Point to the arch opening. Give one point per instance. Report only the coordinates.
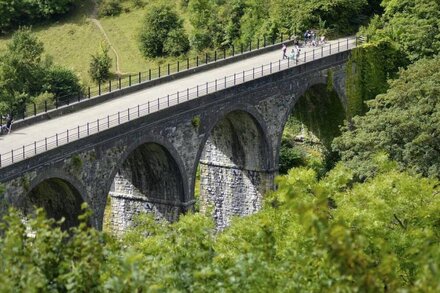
(148, 181)
(58, 198)
(310, 129)
(234, 168)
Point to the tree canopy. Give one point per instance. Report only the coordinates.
(404, 122)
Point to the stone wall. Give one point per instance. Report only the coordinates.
(236, 143)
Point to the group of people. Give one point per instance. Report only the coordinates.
(6, 128)
(311, 38)
(294, 53)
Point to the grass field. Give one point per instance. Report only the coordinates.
(72, 40)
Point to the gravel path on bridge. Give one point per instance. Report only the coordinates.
(36, 132)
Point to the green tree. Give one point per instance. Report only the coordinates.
(21, 70)
(100, 65)
(404, 123)
(162, 33)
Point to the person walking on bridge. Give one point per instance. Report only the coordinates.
(284, 49)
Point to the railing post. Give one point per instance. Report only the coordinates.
(197, 60)
(178, 66)
(250, 46)
(313, 54)
(109, 85)
(159, 71)
(78, 133)
(258, 43)
(279, 64)
(149, 74)
(168, 100)
(56, 139)
(88, 129)
(129, 79)
(243, 76)
(206, 58)
(224, 53)
(216, 84)
(45, 143)
(253, 72)
(281, 37)
(347, 43)
(56, 102)
(67, 136)
(148, 107)
(234, 78)
(97, 124)
(322, 51)
(264, 41)
(119, 83)
(305, 56)
(99, 88)
(270, 67)
(128, 114)
(140, 77)
(35, 148)
(330, 49)
(119, 118)
(139, 112)
(178, 102)
(233, 50)
(206, 87)
(168, 68)
(356, 41)
(215, 56)
(89, 92)
(35, 109)
(187, 63)
(45, 106)
(23, 151)
(197, 91)
(108, 121)
(79, 96)
(187, 94)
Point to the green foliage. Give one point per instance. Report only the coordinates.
(383, 233)
(100, 65)
(162, 33)
(20, 12)
(25, 75)
(368, 69)
(195, 121)
(38, 256)
(62, 83)
(403, 123)
(110, 8)
(413, 27)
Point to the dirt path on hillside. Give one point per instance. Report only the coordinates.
(94, 19)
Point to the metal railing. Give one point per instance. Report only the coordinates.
(104, 123)
(160, 71)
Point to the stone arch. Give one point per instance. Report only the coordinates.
(235, 163)
(148, 178)
(58, 194)
(318, 85)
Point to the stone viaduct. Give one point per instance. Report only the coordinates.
(150, 163)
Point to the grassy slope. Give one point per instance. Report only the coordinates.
(73, 39)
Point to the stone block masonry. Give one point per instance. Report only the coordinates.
(152, 161)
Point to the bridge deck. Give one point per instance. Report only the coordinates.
(27, 136)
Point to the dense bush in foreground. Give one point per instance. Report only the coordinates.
(381, 235)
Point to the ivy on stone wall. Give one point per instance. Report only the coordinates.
(368, 70)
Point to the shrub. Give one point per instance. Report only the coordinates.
(110, 8)
(100, 65)
(176, 43)
(162, 33)
(62, 83)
